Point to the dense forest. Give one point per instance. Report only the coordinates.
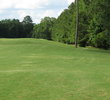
(94, 25)
(13, 28)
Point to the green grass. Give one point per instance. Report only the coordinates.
(32, 69)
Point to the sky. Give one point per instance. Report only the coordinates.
(37, 9)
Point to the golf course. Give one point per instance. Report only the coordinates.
(37, 69)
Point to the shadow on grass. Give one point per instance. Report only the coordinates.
(96, 50)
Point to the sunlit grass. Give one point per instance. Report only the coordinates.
(32, 69)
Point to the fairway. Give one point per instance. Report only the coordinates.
(32, 69)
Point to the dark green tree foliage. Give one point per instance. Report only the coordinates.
(99, 24)
(84, 18)
(44, 29)
(94, 23)
(27, 20)
(16, 29)
(28, 26)
(64, 27)
(10, 28)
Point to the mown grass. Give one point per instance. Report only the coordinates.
(32, 69)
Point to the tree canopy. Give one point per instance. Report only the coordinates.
(44, 29)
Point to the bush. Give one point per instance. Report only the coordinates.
(101, 40)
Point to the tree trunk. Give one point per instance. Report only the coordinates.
(77, 23)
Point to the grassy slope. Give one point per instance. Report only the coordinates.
(33, 69)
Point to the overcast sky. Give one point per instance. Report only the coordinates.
(37, 9)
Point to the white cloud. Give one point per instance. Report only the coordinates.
(1, 11)
(27, 4)
(36, 15)
(70, 1)
(49, 13)
(5, 4)
(30, 4)
(37, 9)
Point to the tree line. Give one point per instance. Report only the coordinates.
(13, 28)
(94, 23)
